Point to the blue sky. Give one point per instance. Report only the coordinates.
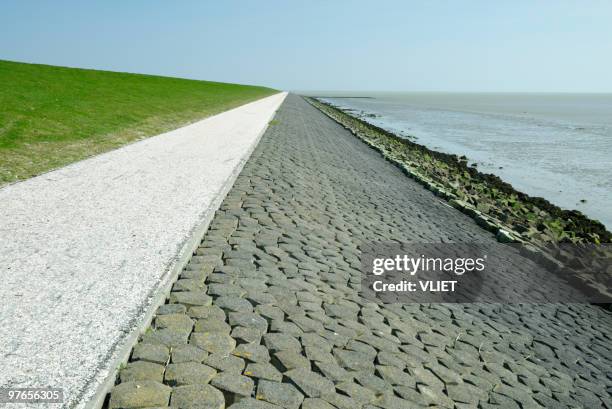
(468, 45)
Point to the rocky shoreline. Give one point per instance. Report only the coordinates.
(548, 233)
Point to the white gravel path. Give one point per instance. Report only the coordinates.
(83, 249)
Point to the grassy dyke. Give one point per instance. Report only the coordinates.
(493, 203)
(51, 116)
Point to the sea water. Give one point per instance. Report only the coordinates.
(556, 146)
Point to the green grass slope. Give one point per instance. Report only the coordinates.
(51, 116)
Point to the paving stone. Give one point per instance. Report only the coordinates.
(281, 342)
(188, 373)
(353, 360)
(281, 394)
(307, 324)
(466, 393)
(365, 349)
(395, 376)
(248, 320)
(174, 321)
(314, 340)
(189, 284)
(341, 401)
(373, 383)
(158, 354)
(252, 352)
(197, 397)
(291, 360)
(246, 334)
(359, 393)
(190, 298)
(434, 396)
(141, 371)
(213, 342)
(251, 403)
(388, 401)
(333, 371)
(411, 394)
(447, 376)
(139, 394)
(426, 377)
(263, 371)
(286, 327)
(234, 383)
(318, 354)
(209, 311)
(503, 401)
(270, 312)
(188, 353)
(228, 290)
(171, 309)
(316, 403)
(234, 304)
(168, 337)
(212, 325)
(310, 383)
(225, 363)
(260, 298)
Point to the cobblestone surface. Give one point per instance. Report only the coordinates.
(268, 311)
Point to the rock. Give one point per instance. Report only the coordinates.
(318, 354)
(234, 304)
(246, 334)
(212, 325)
(411, 394)
(281, 342)
(213, 342)
(179, 322)
(466, 393)
(250, 403)
(341, 401)
(168, 337)
(291, 360)
(155, 353)
(206, 311)
(263, 370)
(141, 371)
(504, 236)
(225, 363)
(197, 397)
(248, 320)
(388, 401)
(356, 361)
(188, 353)
(189, 284)
(357, 392)
(373, 383)
(190, 298)
(253, 352)
(139, 394)
(315, 403)
(312, 384)
(171, 309)
(395, 376)
(233, 382)
(188, 373)
(333, 371)
(281, 394)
